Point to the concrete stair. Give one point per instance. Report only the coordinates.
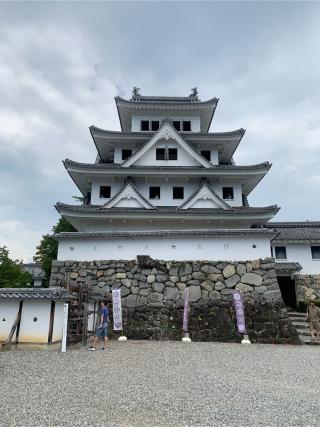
(302, 326)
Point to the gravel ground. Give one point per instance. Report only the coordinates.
(145, 383)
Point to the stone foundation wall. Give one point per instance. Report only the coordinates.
(307, 287)
(153, 297)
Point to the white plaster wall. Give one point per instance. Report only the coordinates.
(118, 152)
(166, 187)
(35, 332)
(237, 192)
(301, 254)
(95, 190)
(136, 121)
(214, 152)
(166, 190)
(58, 322)
(8, 313)
(149, 158)
(233, 249)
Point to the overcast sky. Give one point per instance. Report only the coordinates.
(61, 64)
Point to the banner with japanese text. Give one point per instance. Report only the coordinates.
(238, 304)
(117, 309)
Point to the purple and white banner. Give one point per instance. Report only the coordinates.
(186, 311)
(117, 309)
(238, 304)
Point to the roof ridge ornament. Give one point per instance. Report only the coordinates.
(166, 120)
(136, 92)
(194, 93)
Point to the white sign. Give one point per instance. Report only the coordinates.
(65, 327)
(117, 309)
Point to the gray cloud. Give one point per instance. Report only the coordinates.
(61, 64)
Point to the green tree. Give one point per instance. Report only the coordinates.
(11, 273)
(48, 247)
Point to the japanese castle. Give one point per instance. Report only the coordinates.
(167, 187)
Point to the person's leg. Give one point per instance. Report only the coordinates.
(95, 341)
(106, 341)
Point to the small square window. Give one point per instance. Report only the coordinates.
(186, 126)
(206, 154)
(176, 125)
(173, 154)
(105, 192)
(315, 252)
(227, 193)
(178, 192)
(144, 124)
(160, 154)
(126, 153)
(154, 192)
(281, 252)
(155, 125)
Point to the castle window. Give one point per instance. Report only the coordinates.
(227, 193)
(155, 125)
(186, 125)
(160, 154)
(206, 154)
(154, 192)
(126, 153)
(105, 191)
(173, 154)
(144, 124)
(176, 125)
(178, 192)
(281, 252)
(315, 252)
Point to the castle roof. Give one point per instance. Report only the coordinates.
(34, 293)
(146, 105)
(296, 232)
(83, 173)
(106, 140)
(165, 233)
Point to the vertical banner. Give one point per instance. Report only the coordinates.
(117, 309)
(65, 327)
(238, 304)
(186, 311)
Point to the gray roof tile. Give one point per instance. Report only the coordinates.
(169, 210)
(166, 233)
(34, 293)
(295, 232)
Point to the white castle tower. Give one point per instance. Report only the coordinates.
(165, 186)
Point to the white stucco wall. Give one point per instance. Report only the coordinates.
(302, 254)
(58, 322)
(183, 157)
(166, 198)
(8, 313)
(233, 249)
(136, 121)
(35, 332)
(95, 190)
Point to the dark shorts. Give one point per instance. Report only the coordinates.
(103, 331)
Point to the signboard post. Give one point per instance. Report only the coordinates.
(186, 312)
(117, 312)
(65, 327)
(241, 324)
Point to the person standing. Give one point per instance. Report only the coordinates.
(313, 316)
(101, 327)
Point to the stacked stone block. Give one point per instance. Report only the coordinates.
(153, 297)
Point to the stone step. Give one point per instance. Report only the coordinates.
(296, 314)
(301, 325)
(304, 332)
(308, 340)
